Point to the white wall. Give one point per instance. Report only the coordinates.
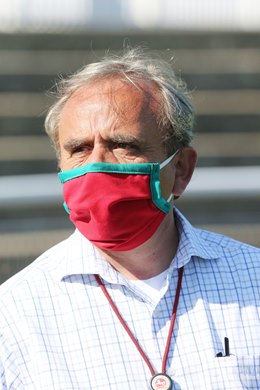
(81, 15)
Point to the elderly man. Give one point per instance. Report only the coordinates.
(136, 298)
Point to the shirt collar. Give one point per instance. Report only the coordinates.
(191, 243)
(82, 257)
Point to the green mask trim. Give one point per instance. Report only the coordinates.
(106, 168)
(66, 208)
(152, 169)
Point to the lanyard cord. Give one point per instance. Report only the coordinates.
(129, 332)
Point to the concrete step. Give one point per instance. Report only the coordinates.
(217, 81)
(106, 40)
(206, 102)
(198, 61)
(226, 123)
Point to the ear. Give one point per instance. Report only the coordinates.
(185, 163)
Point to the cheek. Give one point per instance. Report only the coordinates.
(64, 160)
(167, 182)
(70, 163)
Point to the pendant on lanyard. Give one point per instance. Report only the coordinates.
(161, 381)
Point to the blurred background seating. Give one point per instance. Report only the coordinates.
(215, 50)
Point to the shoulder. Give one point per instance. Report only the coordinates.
(235, 266)
(208, 245)
(223, 272)
(228, 246)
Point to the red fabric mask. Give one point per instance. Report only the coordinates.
(115, 206)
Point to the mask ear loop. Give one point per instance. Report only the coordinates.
(170, 198)
(168, 160)
(163, 164)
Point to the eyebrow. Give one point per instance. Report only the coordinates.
(126, 138)
(116, 138)
(74, 143)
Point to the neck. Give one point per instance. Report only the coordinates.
(150, 258)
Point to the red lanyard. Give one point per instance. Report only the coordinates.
(129, 332)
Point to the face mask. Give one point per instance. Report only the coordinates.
(115, 206)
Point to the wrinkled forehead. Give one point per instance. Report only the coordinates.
(121, 93)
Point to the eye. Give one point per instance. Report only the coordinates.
(80, 149)
(125, 145)
(121, 145)
(77, 150)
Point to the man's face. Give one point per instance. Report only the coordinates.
(114, 122)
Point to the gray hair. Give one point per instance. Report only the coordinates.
(176, 115)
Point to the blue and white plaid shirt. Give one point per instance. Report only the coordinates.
(57, 330)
